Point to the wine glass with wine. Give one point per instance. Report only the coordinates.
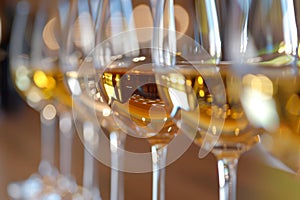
(212, 87)
(120, 80)
(263, 54)
(34, 56)
(270, 79)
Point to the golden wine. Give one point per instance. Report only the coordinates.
(37, 86)
(130, 92)
(133, 96)
(277, 92)
(212, 101)
(143, 100)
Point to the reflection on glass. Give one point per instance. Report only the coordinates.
(34, 56)
(281, 112)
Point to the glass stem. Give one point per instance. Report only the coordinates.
(227, 169)
(90, 174)
(117, 141)
(88, 168)
(48, 130)
(159, 156)
(66, 142)
(90, 171)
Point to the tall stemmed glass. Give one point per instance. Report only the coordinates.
(23, 76)
(262, 46)
(78, 40)
(34, 56)
(213, 91)
(126, 83)
(269, 74)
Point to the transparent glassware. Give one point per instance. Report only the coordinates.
(78, 41)
(186, 36)
(34, 57)
(269, 58)
(260, 42)
(124, 82)
(201, 83)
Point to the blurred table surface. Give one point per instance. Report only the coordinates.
(188, 178)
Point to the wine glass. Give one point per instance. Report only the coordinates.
(20, 64)
(121, 82)
(264, 60)
(34, 55)
(80, 16)
(269, 59)
(78, 40)
(211, 90)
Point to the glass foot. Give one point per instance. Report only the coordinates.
(38, 187)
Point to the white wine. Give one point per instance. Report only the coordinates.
(133, 95)
(141, 100)
(280, 96)
(215, 93)
(38, 86)
(258, 99)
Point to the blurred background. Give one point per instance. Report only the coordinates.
(260, 176)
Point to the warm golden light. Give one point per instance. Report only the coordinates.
(181, 18)
(51, 83)
(201, 93)
(143, 18)
(40, 79)
(258, 101)
(188, 82)
(117, 78)
(49, 36)
(293, 105)
(200, 80)
(236, 131)
(43, 81)
(259, 83)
